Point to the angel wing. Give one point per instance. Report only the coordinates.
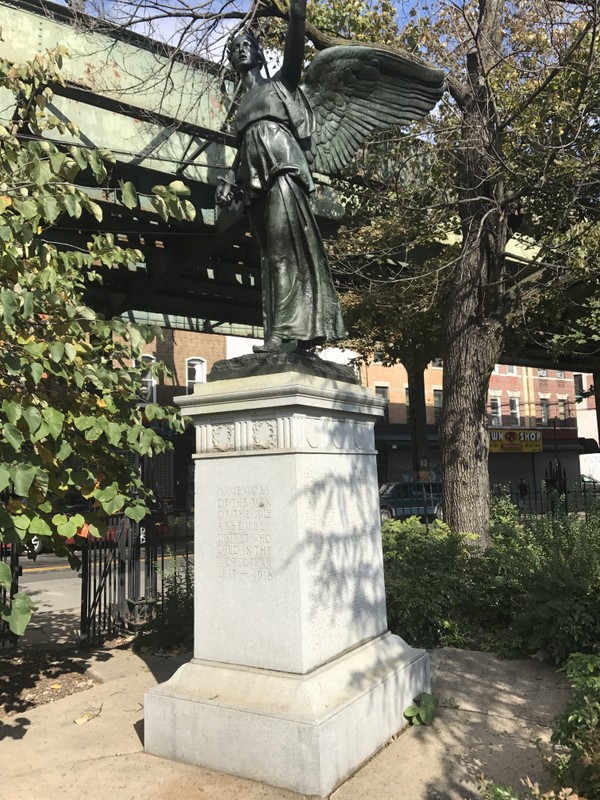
(354, 90)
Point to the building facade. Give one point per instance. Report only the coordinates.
(532, 415)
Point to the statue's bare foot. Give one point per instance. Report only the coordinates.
(272, 345)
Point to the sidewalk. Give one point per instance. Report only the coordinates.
(491, 712)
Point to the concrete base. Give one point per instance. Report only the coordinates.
(306, 733)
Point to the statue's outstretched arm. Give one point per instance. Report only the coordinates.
(293, 54)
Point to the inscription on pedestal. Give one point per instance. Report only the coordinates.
(244, 539)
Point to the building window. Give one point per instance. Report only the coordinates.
(544, 410)
(578, 382)
(384, 393)
(496, 410)
(148, 381)
(407, 404)
(560, 373)
(562, 411)
(438, 401)
(437, 363)
(511, 369)
(543, 373)
(378, 357)
(515, 416)
(196, 372)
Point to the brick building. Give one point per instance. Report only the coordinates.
(532, 415)
(531, 418)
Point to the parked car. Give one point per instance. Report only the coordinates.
(404, 499)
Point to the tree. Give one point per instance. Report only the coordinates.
(70, 380)
(515, 143)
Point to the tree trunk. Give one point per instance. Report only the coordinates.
(473, 347)
(474, 328)
(418, 420)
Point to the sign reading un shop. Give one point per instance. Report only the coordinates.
(509, 440)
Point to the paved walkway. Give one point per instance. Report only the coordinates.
(490, 716)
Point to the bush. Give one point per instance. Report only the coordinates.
(535, 588)
(171, 627)
(425, 572)
(578, 728)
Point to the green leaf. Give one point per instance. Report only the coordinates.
(21, 523)
(70, 351)
(12, 410)
(10, 306)
(28, 208)
(136, 512)
(83, 423)
(4, 477)
(411, 711)
(33, 417)
(51, 208)
(41, 173)
(95, 209)
(160, 207)
(23, 478)
(5, 576)
(129, 194)
(64, 451)
(103, 495)
(114, 505)
(93, 433)
(57, 351)
(80, 155)
(40, 434)
(36, 349)
(113, 433)
(37, 372)
(55, 420)
(179, 188)
(39, 527)
(13, 436)
(21, 609)
(73, 206)
(57, 160)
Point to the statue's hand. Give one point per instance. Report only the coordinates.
(225, 192)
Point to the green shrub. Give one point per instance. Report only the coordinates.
(578, 728)
(171, 627)
(536, 588)
(424, 575)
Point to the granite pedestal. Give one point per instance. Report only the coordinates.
(295, 680)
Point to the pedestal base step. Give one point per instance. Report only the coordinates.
(306, 733)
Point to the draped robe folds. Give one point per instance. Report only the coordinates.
(299, 300)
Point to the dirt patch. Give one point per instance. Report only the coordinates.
(31, 677)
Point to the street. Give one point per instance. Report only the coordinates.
(51, 583)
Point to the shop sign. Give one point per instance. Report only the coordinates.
(509, 440)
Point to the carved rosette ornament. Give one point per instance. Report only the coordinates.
(222, 437)
(264, 434)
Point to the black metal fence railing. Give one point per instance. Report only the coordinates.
(10, 555)
(122, 575)
(552, 499)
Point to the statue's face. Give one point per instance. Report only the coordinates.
(244, 53)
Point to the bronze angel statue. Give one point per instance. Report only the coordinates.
(285, 128)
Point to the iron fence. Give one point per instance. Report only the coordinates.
(552, 499)
(122, 574)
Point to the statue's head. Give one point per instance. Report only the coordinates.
(244, 51)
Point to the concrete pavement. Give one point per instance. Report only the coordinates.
(491, 713)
